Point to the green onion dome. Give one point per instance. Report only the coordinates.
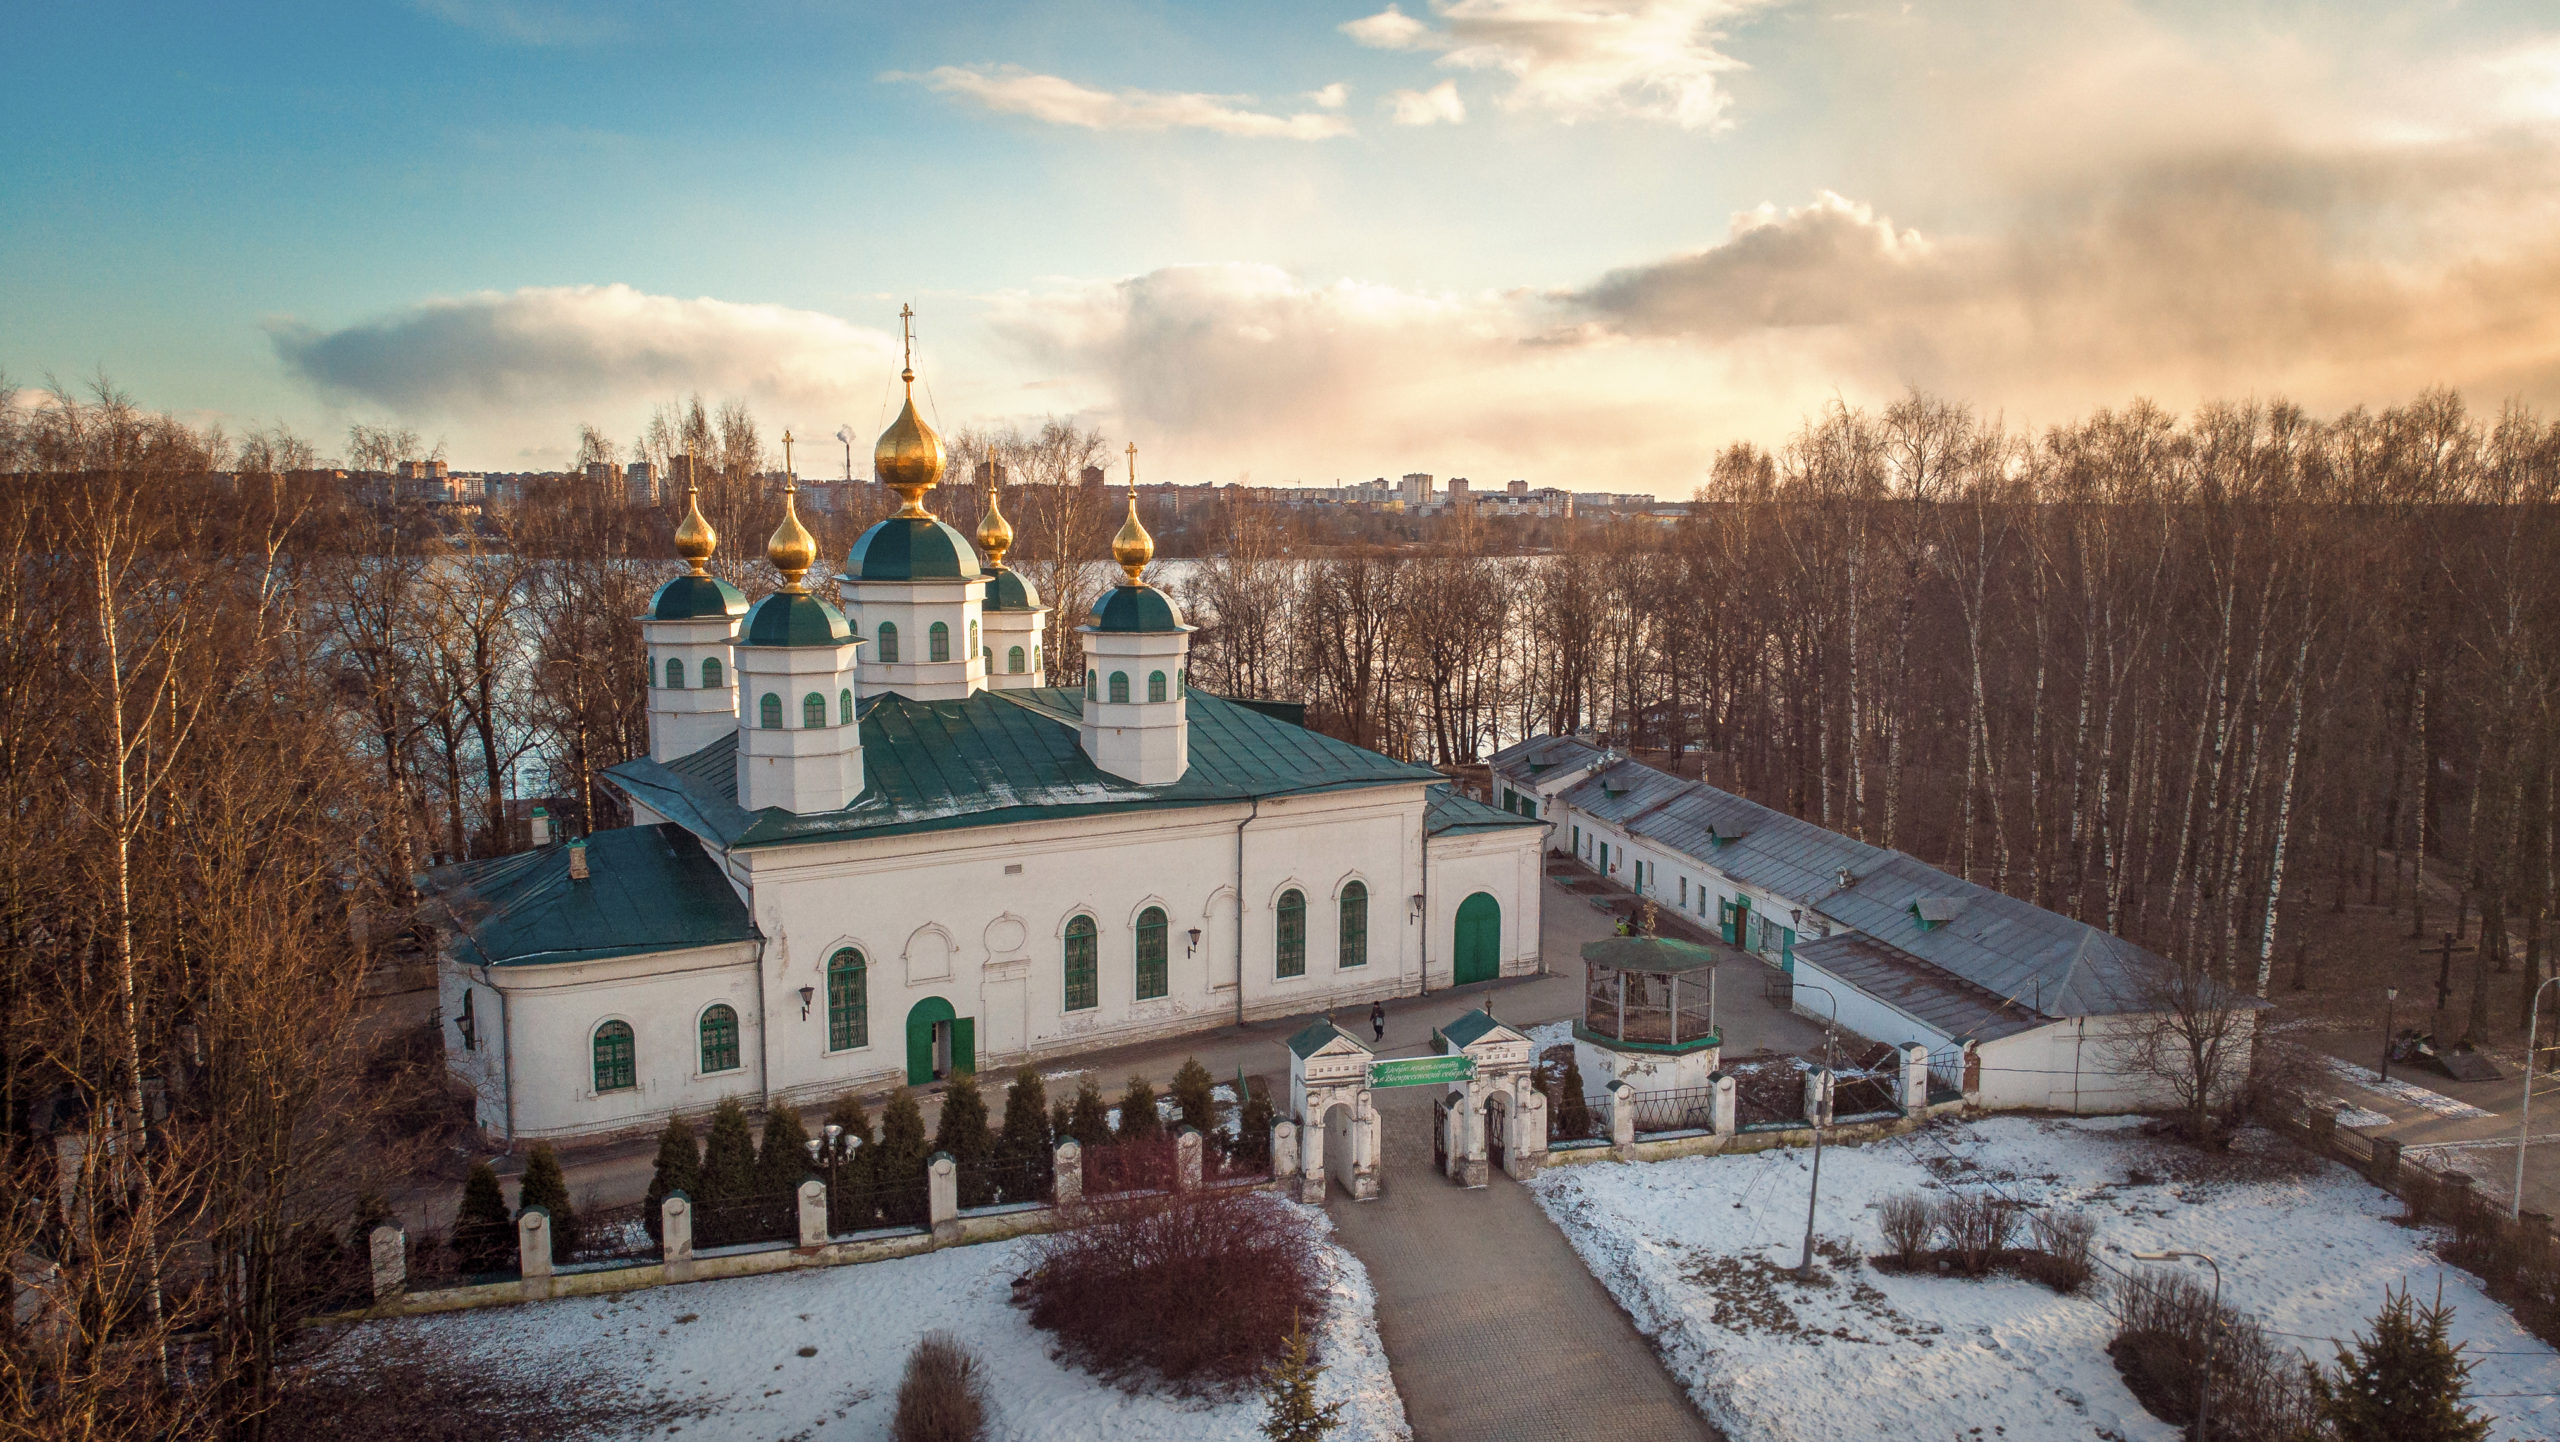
(1007, 591)
(795, 618)
(912, 548)
(1135, 606)
(696, 598)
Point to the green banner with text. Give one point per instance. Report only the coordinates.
(1421, 1071)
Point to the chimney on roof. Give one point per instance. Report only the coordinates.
(578, 859)
(541, 827)
(1848, 878)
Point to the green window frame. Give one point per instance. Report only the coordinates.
(1153, 980)
(1083, 990)
(769, 712)
(1013, 661)
(888, 641)
(813, 712)
(710, 673)
(675, 674)
(848, 1001)
(937, 642)
(1355, 924)
(719, 1038)
(617, 1066)
(1155, 686)
(844, 707)
(1292, 933)
(1119, 687)
(974, 643)
(1093, 685)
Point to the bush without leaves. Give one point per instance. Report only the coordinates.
(1196, 1289)
(2261, 1390)
(943, 1397)
(2063, 1241)
(1909, 1223)
(1979, 1227)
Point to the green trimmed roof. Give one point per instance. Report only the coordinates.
(786, 619)
(1657, 954)
(1318, 1035)
(912, 548)
(690, 597)
(1135, 606)
(1446, 813)
(648, 889)
(1467, 1030)
(997, 757)
(1007, 591)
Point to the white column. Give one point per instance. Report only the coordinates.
(390, 1257)
(813, 1213)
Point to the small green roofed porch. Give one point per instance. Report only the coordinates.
(1650, 993)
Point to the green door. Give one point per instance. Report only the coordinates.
(927, 1014)
(1787, 949)
(1479, 949)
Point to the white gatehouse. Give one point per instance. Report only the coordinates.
(1489, 1111)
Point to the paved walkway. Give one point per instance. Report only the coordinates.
(1494, 1327)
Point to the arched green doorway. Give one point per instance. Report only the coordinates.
(1478, 955)
(939, 1043)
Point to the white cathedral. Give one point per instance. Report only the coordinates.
(869, 847)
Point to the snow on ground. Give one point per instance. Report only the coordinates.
(2400, 1091)
(1694, 1250)
(732, 1353)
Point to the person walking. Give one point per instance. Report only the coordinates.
(1378, 1021)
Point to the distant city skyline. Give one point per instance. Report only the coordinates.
(1584, 242)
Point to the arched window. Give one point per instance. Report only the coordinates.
(1035, 657)
(973, 638)
(719, 1038)
(1119, 687)
(844, 707)
(1152, 982)
(937, 643)
(1293, 933)
(1093, 685)
(813, 711)
(675, 674)
(616, 1070)
(1084, 985)
(710, 673)
(1155, 685)
(987, 658)
(1013, 661)
(888, 641)
(848, 1005)
(1355, 924)
(769, 712)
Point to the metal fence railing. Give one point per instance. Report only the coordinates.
(614, 1234)
(737, 1221)
(1688, 1109)
(998, 1181)
(862, 1202)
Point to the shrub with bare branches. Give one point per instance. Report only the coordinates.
(2063, 1244)
(1195, 1289)
(1910, 1223)
(943, 1396)
(2260, 1390)
(1979, 1227)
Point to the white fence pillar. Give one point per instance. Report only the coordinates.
(1066, 1167)
(1311, 1177)
(1915, 1077)
(1622, 1114)
(1817, 1095)
(1284, 1150)
(675, 1236)
(533, 1243)
(1186, 1159)
(813, 1213)
(1720, 1103)
(942, 1197)
(389, 1248)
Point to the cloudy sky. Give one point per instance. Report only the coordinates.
(1584, 242)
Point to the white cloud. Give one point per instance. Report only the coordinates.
(1429, 107)
(563, 347)
(1332, 97)
(1581, 59)
(1054, 100)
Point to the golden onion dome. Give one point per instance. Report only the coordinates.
(1132, 547)
(995, 533)
(791, 548)
(695, 540)
(909, 456)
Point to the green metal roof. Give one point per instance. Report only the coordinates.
(1007, 591)
(1467, 1030)
(997, 757)
(1446, 813)
(786, 619)
(912, 548)
(1318, 1035)
(1135, 606)
(1657, 954)
(648, 889)
(690, 597)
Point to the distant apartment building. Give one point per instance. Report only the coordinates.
(640, 483)
(1414, 490)
(603, 475)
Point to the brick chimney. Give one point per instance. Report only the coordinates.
(578, 859)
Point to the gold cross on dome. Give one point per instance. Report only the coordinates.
(1133, 465)
(786, 460)
(907, 336)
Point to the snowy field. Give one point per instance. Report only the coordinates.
(1694, 1249)
(816, 1355)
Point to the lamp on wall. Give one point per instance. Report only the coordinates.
(1195, 942)
(1417, 905)
(808, 994)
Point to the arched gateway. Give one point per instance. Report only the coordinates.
(1484, 1069)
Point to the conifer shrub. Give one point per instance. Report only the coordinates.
(1089, 1117)
(484, 1234)
(942, 1397)
(1026, 1146)
(1568, 1110)
(545, 1187)
(1195, 1097)
(728, 1179)
(1289, 1393)
(962, 1135)
(782, 1164)
(677, 1169)
(851, 1207)
(1139, 1121)
(1193, 1290)
(1061, 1121)
(898, 1167)
(2404, 1383)
(1254, 1121)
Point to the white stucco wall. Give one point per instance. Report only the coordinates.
(1860, 1014)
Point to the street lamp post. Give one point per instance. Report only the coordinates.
(2213, 1331)
(1804, 1264)
(829, 1152)
(2524, 1114)
(2390, 994)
